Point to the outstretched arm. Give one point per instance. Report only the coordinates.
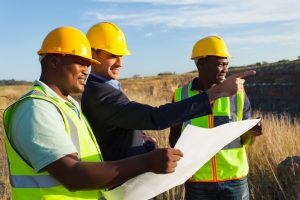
(103, 103)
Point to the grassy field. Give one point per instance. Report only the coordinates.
(281, 139)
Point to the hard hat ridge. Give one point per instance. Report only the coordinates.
(108, 37)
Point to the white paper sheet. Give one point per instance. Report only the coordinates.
(198, 146)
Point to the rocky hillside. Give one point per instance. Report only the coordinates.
(275, 87)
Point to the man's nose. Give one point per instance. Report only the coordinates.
(225, 68)
(119, 61)
(85, 70)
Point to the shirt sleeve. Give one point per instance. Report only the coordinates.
(38, 133)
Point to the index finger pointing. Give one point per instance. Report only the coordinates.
(244, 74)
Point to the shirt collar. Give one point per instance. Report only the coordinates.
(116, 84)
(51, 93)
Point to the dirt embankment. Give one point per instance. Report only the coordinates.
(275, 87)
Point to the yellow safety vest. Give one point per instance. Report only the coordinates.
(231, 162)
(25, 181)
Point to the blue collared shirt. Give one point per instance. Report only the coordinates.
(116, 84)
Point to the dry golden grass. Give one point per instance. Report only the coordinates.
(8, 95)
(281, 139)
(14, 91)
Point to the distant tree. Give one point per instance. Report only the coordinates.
(136, 76)
(14, 82)
(165, 73)
(193, 71)
(283, 61)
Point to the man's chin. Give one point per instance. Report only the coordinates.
(114, 73)
(78, 89)
(115, 76)
(220, 80)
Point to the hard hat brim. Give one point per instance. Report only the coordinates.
(41, 52)
(95, 61)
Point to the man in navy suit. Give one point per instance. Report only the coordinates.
(116, 121)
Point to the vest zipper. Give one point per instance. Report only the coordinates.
(214, 170)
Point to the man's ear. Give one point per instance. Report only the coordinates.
(53, 61)
(200, 64)
(94, 54)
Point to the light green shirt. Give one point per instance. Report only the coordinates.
(38, 131)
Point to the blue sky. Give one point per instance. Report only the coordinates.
(160, 33)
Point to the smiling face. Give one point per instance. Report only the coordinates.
(110, 66)
(73, 72)
(213, 69)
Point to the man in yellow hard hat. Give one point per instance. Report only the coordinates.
(51, 148)
(117, 121)
(225, 175)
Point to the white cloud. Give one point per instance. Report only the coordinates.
(148, 34)
(165, 2)
(193, 13)
(262, 21)
(281, 39)
(100, 14)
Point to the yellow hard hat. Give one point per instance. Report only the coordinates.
(210, 46)
(108, 37)
(67, 40)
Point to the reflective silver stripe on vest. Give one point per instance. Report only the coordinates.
(233, 118)
(185, 95)
(72, 127)
(233, 108)
(234, 144)
(42, 181)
